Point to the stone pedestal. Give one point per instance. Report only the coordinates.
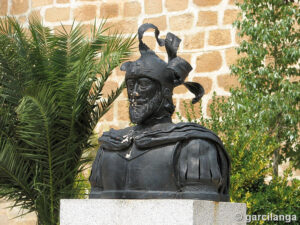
(150, 212)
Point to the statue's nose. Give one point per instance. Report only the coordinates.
(135, 92)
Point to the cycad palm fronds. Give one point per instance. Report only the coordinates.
(50, 103)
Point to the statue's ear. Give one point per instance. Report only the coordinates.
(126, 66)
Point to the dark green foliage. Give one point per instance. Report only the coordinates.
(259, 122)
(278, 197)
(50, 103)
(266, 73)
(250, 149)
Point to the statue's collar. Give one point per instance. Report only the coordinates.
(156, 135)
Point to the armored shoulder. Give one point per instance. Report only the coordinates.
(199, 163)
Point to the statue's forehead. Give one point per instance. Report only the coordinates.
(140, 77)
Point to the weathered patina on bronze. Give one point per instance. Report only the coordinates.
(157, 158)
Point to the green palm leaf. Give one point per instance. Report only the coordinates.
(50, 103)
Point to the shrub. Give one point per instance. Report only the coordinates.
(259, 122)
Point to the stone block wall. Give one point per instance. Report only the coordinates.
(10, 217)
(208, 42)
(208, 38)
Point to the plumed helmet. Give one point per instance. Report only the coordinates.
(151, 66)
(170, 74)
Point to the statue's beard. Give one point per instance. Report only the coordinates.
(142, 109)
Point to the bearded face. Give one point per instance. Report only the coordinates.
(144, 96)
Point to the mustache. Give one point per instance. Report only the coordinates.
(135, 101)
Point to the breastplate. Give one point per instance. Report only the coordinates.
(135, 172)
(181, 161)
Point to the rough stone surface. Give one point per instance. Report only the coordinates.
(180, 90)
(62, 1)
(153, 6)
(36, 3)
(150, 212)
(227, 81)
(176, 5)
(109, 116)
(161, 22)
(3, 7)
(206, 2)
(181, 22)
(150, 41)
(131, 9)
(35, 14)
(19, 6)
(194, 41)
(10, 216)
(219, 37)
(209, 62)
(109, 10)
(123, 26)
(206, 82)
(23, 19)
(231, 56)
(86, 12)
(207, 18)
(57, 14)
(233, 2)
(186, 56)
(109, 87)
(123, 110)
(230, 16)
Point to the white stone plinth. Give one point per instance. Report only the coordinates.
(150, 212)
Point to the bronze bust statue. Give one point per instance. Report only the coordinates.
(157, 158)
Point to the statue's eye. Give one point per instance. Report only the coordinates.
(144, 83)
(130, 84)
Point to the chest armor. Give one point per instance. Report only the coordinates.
(182, 161)
(125, 174)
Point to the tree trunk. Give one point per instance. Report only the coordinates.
(275, 162)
